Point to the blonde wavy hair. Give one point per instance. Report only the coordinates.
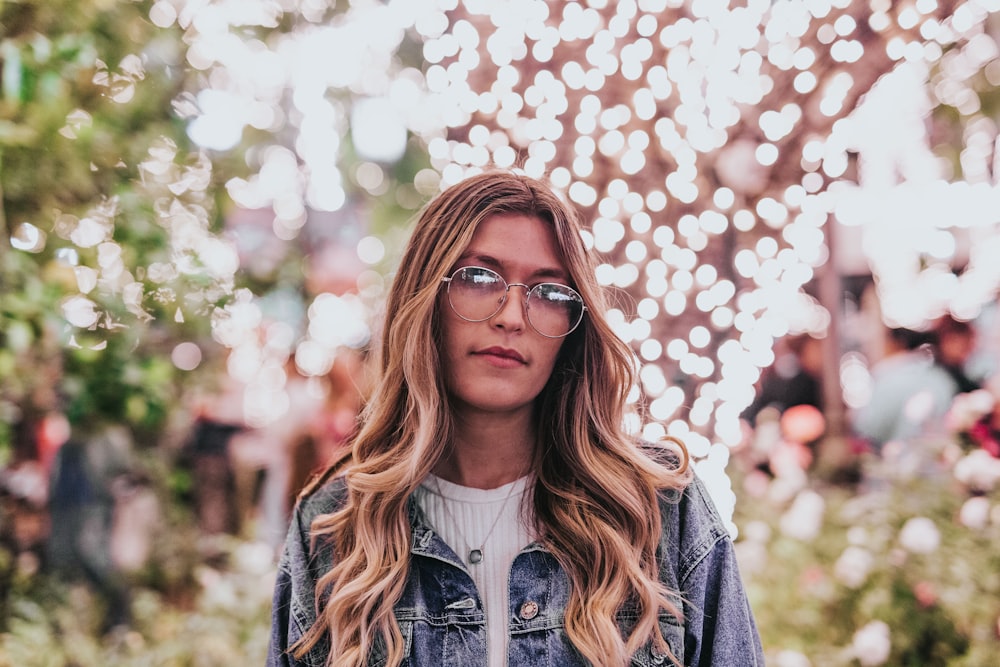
(595, 500)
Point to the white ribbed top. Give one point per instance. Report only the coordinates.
(464, 523)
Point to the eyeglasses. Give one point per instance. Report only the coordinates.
(477, 294)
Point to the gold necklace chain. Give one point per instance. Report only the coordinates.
(475, 555)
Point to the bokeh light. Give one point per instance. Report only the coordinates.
(710, 146)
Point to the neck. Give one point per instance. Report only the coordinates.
(488, 450)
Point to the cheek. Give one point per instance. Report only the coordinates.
(449, 342)
(552, 355)
(569, 354)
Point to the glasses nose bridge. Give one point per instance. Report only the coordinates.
(527, 288)
(506, 293)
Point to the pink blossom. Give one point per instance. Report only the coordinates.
(925, 593)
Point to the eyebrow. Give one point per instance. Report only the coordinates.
(490, 262)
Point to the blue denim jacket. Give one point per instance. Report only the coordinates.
(441, 616)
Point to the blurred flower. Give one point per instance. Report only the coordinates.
(26, 481)
(920, 535)
(89, 232)
(978, 470)
(896, 557)
(975, 513)
(853, 566)
(788, 658)
(858, 535)
(926, 593)
(804, 518)
(872, 644)
(783, 489)
(968, 408)
(790, 459)
(973, 419)
(860, 561)
(86, 278)
(812, 577)
(756, 484)
(983, 435)
(255, 558)
(757, 531)
(752, 556)
(218, 591)
(28, 564)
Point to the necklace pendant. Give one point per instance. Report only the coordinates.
(475, 556)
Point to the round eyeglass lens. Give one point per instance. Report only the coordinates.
(476, 294)
(553, 309)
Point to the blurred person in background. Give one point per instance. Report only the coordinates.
(89, 470)
(346, 392)
(263, 457)
(910, 393)
(795, 378)
(785, 419)
(490, 510)
(953, 344)
(217, 416)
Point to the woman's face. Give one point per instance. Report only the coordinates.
(501, 364)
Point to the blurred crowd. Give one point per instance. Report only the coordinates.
(86, 506)
(927, 393)
(247, 472)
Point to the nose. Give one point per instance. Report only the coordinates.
(512, 315)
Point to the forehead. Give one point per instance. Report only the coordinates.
(516, 242)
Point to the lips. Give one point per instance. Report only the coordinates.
(501, 353)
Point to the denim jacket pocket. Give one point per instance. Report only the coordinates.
(379, 655)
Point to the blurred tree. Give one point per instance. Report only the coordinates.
(109, 256)
(105, 218)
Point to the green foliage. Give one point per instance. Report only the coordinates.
(52, 54)
(86, 91)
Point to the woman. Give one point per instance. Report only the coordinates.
(491, 510)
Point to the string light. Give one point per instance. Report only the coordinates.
(704, 142)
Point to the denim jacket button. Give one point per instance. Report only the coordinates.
(529, 610)
(658, 658)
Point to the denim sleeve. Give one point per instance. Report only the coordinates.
(293, 610)
(276, 651)
(720, 630)
(289, 590)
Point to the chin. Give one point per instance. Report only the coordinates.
(493, 401)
